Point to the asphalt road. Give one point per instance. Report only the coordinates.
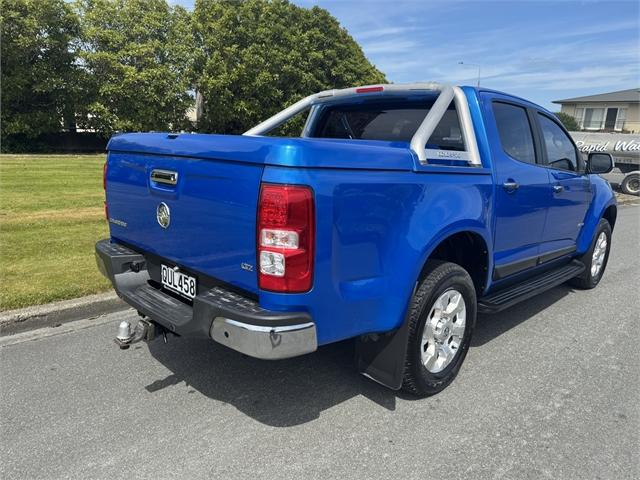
(550, 389)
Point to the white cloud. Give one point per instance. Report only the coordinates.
(378, 33)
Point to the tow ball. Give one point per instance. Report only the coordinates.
(144, 330)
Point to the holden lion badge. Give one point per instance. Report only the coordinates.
(163, 215)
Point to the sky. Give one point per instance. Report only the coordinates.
(542, 51)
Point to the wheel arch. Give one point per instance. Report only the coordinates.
(467, 247)
(603, 205)
(610, 214)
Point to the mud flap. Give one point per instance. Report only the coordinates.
(381, 357)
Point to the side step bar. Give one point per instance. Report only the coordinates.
(507, 297)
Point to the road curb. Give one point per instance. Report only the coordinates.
(57, 313)
(624, 199)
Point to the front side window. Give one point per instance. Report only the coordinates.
(560, 150)
(515, 131)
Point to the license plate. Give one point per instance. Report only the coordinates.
(179, 282)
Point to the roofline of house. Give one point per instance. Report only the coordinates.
(592, 99)
(570, 101)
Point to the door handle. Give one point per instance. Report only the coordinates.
(510, 186)
(558, 188)
(164, 176)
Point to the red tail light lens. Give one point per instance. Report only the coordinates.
(285, 238)
(370, 89)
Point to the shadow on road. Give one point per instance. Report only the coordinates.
(295, 391)
(278, 393)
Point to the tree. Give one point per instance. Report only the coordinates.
(39, 73)
(128, 65)
(256, 56)
(139, 55)
(568, 121)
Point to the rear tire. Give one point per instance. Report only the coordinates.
(596, 258)
(631, 184)
(442, 317)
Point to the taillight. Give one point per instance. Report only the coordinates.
(285, 237)
(104, 187)
(378, 88)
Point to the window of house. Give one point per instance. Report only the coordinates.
(622, 116)
(561, 152)
(593, 118)
(515, 131)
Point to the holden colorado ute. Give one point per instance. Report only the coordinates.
(399, 214)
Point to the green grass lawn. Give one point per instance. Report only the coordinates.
(51, 215)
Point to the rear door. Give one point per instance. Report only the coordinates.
(521, 186)
(570, 189)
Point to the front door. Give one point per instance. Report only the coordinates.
(570, 190)
(521, 190)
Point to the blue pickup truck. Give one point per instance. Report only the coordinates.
(399, 214)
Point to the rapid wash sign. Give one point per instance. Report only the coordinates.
(624, 147)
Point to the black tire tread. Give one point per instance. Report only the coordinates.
(624, 186)
(437, 270)
(584, 281)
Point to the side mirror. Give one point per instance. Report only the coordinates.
(599, 163)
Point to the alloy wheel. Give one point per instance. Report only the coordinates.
(599, 254)
(443, 331)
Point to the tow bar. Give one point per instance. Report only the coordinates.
(144, 330)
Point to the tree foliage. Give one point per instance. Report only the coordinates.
(568, 121)
(138, 53)
(134, 65)
(39, 74)
(256, 56)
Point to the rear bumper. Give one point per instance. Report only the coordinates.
(227, 317)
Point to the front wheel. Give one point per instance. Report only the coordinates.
(595, 259)
(441, 320)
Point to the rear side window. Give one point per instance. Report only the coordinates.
(391, 122)
(515, 131)
(560, 150)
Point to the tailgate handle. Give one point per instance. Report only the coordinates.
(164, 176)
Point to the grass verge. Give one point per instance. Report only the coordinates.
(51, 215)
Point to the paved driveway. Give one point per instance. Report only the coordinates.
(550, 389)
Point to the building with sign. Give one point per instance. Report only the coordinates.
(605, 112)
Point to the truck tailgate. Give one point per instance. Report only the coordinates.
(212, 208)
